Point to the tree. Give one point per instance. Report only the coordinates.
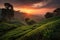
(8, 6)
(7, 12)
(30, 22)
(57, 12)
(9, 9)
(48, 15)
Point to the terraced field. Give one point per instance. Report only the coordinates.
(48, 29)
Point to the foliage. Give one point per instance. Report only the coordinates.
(48, 15)
(30, 22)
(44, 32)
(56, 12)
(48, 29)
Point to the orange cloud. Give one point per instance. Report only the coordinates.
(30, 10)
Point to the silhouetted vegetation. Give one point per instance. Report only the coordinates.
(7, 12)
(30, 22)
(49, 15)
(56, 12)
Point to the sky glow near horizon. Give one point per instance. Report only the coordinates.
(33, 6)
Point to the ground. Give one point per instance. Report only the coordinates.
(48, 29)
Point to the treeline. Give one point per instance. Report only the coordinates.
(56, 12)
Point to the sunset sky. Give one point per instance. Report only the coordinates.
(33, 6)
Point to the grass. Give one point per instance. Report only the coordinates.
(45, 30)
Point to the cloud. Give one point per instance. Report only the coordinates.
(47, 4)
(37, 3)
(41, 4)
(27, 1)
(53, 3)
(21, 1)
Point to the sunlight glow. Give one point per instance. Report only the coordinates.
(34, 11)
(25, 10)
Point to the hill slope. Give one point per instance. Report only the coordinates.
(46, 30)
(49, 31)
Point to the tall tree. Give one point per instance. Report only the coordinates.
(7, 12)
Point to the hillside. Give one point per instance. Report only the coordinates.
(48, 29)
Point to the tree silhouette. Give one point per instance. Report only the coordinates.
(10, 11)
(48, 15)
(57, 12)
(7, 12)
(8, 6)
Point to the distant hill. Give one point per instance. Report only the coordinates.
(49, 29)
(20, 16)
(46, 31)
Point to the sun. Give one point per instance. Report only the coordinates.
(26, 10)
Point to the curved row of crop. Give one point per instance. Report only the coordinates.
(44, 31)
